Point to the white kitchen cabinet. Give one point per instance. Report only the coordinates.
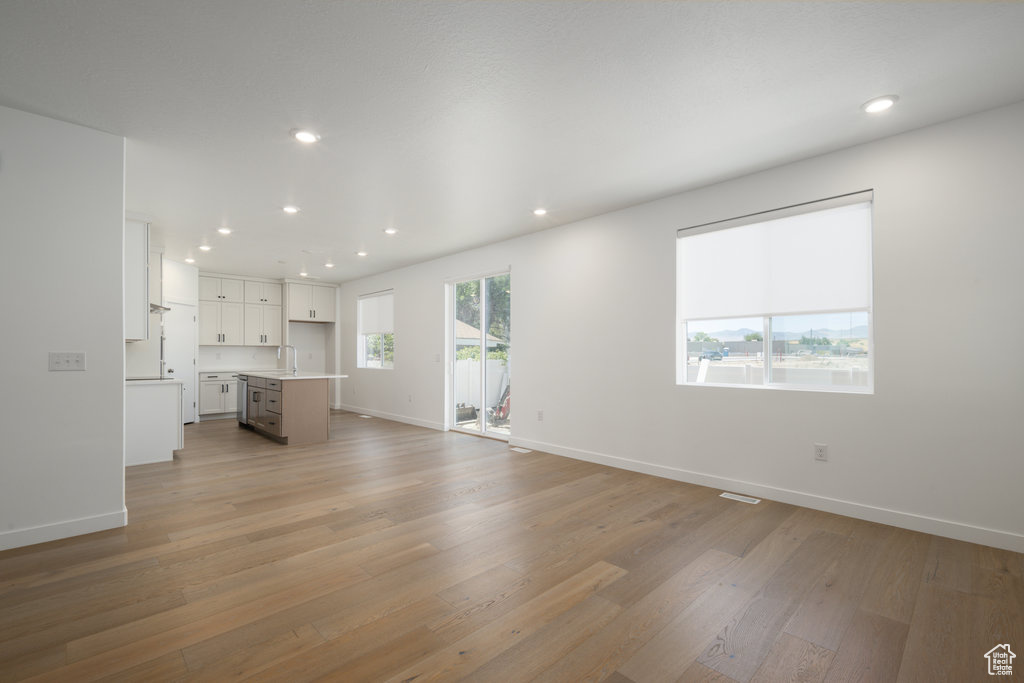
(267, 293)
(220, 324)
(310, 303)
(136, 280)
(218, 392)
(323, 304)
(262, 325)
(221, 289)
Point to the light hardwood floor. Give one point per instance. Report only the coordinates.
(395, 553)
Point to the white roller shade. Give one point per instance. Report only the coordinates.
(810, 262)
(377, 313)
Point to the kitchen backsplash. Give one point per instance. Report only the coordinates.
(237, 358)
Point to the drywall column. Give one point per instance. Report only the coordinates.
(62, 216)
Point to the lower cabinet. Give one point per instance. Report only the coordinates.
(218, 392)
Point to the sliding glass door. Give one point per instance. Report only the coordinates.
(481, 381)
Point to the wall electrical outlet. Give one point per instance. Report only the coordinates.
(540, 416)
(67, 360)
(821, 452)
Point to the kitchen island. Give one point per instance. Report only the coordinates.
(291, 408)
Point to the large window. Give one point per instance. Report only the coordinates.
(376, 330)
(779, 299)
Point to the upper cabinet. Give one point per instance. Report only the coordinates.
(221, 289)
(136, 280)
(268, 293)
(220, 323)
(310, 303)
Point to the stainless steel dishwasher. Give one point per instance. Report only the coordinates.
(243, 399)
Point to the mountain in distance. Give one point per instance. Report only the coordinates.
(858, 332)
(733, 335)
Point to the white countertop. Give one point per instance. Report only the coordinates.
(287, 375)
(147, 382)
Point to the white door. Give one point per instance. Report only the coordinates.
(180, 353)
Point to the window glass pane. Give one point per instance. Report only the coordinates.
(825, 350)
(466, 380)
(388, 352)
(725, 351)
(497, 389)
(373, 350)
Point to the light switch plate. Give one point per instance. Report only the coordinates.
(67, 360)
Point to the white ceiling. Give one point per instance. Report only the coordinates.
(452, 121)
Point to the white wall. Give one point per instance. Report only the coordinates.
(220, 358)
(180, 283)
(62, 221)
(311, 345)
(936, 448)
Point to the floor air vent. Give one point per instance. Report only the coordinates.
(742, 499)
(518, 449)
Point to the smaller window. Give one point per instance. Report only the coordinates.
(375, 339)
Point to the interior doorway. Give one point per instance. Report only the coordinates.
(480, 327)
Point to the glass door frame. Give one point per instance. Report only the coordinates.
(450, 348)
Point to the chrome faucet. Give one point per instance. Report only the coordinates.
(295, 357)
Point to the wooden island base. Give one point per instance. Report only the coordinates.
(289, 410)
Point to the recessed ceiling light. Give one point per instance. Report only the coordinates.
(390, 231)
(224, 231)
(360, 253)
(539, 212)
(879, 104)
(190, 260)
(303, 275)
(205, 247)
(328, 265)
(291, 209)
(306, 136)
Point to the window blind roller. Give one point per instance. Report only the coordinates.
(377, 314)
(815, 261)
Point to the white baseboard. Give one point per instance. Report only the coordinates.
(65, 529)
(996, 538)
(217, 416)
(392, 416)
